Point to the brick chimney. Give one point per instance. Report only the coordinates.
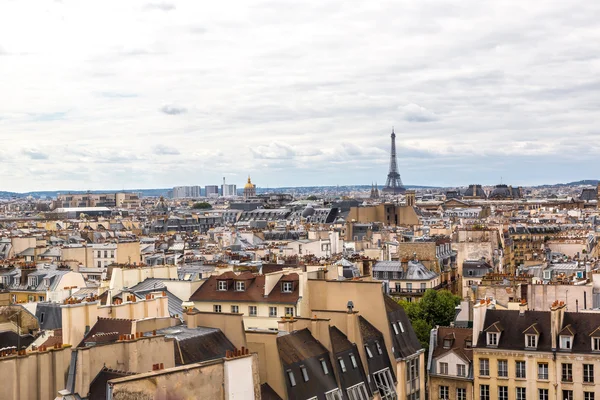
(557, 315)
(522, 308)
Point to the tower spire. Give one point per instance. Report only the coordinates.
(393, 184)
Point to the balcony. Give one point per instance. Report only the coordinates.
(394, 291)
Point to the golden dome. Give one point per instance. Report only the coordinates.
(249, 185)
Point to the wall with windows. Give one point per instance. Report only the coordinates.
(266, 317)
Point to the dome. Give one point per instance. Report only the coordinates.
(308, 211)
(249, 185)
(501, 191)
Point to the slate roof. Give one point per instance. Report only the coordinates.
(339, 341)
(11, 339)
(512, 336)
(49, 316)
(254, 291)
(459, 336)
(299, 346)
(415, 270)
(267, 393)
(98, 385)
(198, 344)
(405, 343)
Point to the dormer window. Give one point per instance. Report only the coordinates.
(531, 341)
(368, 350)
(287, 287)
(378, 348)
(240, 286)
(566, 342)
(447, 343)
(222, 286)
(596, 344)
(468, 344)
(492, 339)
(32, 281)
(396, 331)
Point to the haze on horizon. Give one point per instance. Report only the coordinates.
(151, 94)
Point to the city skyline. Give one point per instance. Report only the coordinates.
(179, 93)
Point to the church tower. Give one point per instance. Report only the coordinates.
(249, 189)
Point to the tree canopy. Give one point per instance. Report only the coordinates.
(201, 206)
(434, 308)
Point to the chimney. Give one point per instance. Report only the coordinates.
(522, 308)
(557, 315)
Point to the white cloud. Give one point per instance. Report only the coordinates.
(485, 89)
(415, 113)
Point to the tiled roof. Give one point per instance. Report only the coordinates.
(254, 291)
(459, 338)
(111, 326)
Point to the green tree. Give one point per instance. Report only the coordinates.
(434, 308)
(201, 206)
(312, 198)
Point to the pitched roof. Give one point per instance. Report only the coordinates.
(495, 327)
(405, 342)
(106, 330)
(339, 341)
(97, 390)
(512, 337)
(197, 344)
(254, 291)
(532, 330)
(459, 337)
(298, 346)
(267, 393)
(368, 331)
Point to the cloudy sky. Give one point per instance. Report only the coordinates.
(139, 94)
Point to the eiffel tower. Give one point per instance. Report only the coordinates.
(393, 184)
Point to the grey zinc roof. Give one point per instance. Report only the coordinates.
(417, 271)
(388, 266)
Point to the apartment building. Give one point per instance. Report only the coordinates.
(262, 299)
(450, 364)
(535, 354)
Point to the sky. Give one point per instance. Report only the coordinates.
(153, 94)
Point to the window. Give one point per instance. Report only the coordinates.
(289, 311)
(596, 344)
(461, 394)
(484, 367)
(40, 298)
(401, 326)
(42, 318)
(443, 368)
(353, 361)
(567, 373)
(396, 331)
(565, 342)
(304, 373)
(461, 370)
(543, 394)
(217, 308)
(447, 343)
(520, 370)
(287, 287)
(444, 393)
(272, 311)
(378, 347)
(588, 373)
(521, 393)
(502, 392)
(235, 309)
(588, 396)
(112, 254)
(503, 368)
(484, 392)
(567, 395)
(342, 364)
(105, 254)
(324, 366)
(291, 378)
(385, 384)
(222, 285)
(240, 286)
(492, 339)
(358, 392)
(409, 287)
(99, 264)
(368, 350)
(252, 311)
(531, 341)
(335, 394)
(468, 344)
(542, 370)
